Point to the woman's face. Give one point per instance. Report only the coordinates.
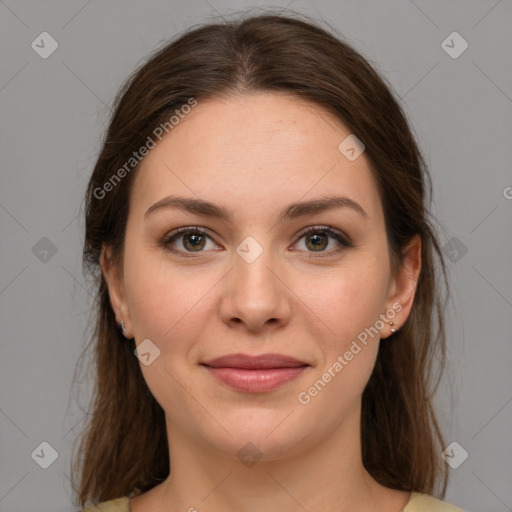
(254, 283)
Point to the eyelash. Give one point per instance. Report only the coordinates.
(194, 230)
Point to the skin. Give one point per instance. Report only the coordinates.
(253, 155)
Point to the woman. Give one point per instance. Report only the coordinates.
(269, 308)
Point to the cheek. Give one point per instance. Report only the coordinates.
(154, 294)
(167, 303)
(350, 304)
(167, 306)
(350, 299)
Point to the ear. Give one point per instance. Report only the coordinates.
(402, 286)
(115, 283)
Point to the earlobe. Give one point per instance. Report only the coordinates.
(115, 285)
(404, 284)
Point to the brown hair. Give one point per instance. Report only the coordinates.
(123, 450)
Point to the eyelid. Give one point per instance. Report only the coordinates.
(326, 229)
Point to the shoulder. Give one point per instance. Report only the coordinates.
(117, 505)
(420, 502)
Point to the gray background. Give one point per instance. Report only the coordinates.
(53, 115)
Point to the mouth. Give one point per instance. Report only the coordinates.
(255, 374)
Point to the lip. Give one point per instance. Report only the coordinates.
(264, 361)
(255, 374)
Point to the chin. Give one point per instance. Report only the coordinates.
(264, 435)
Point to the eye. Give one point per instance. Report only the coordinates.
(193, 240)
(317, 239)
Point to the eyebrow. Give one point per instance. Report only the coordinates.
(290, 212)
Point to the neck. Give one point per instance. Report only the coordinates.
(327, 476)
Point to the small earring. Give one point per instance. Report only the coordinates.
(123, 328)
(391, 329)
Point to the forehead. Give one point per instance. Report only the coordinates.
(254, 152)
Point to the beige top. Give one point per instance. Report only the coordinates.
(418, 502)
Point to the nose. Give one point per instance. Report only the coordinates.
(255, 296)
